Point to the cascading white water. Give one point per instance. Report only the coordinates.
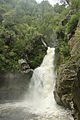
(39, 103)
(42, 87)
(43, 79)
(42, 84)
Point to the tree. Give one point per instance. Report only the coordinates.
(75, 4)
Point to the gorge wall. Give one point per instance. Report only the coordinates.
(67, 89)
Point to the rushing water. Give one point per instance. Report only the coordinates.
(39, 103)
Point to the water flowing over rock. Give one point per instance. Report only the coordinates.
(39, 102)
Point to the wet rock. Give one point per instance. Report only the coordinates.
(64, 84)
(67, 87)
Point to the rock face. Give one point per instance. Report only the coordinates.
(76, 95)
(64, 84)
(67, 89)
(14, 85)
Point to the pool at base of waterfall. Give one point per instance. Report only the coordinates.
(23, 111)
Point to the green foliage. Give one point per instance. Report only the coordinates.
(71, 25)
(66, 29)
(23, 24)
(64, 49)
(59, 8)
(74, 4)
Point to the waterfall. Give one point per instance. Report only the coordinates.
(43, 79)
(42, 83)
(42, 86)
(39, 102)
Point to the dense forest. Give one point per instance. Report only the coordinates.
(28, 28)
(23, 24)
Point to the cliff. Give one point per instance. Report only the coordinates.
(67, 89)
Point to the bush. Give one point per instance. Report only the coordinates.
(71, 25)
(65, 50)
(75, 4)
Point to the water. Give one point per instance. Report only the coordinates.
(38, 103)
